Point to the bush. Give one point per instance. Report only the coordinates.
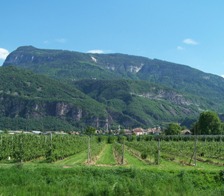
(221, 174)
(144, 155)
(110, 139)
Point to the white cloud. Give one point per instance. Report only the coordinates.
(222, 75)
(61, 40)
(95, 51)
(180, 48)
(190, 41)
(3, 53)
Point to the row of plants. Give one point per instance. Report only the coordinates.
(23, 147)
(183, 150)
(145, 150)
(203, 149)
(209, 138)
(62, 146)
(94, 148)
(118, 151)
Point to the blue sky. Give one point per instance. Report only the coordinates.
(188, 32)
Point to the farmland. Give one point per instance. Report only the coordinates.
(111, 165)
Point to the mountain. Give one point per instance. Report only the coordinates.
(35, 101)
(30, 101)
(146, 103)
(75, 66)
(134, 91)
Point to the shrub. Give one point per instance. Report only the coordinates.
(144, 155)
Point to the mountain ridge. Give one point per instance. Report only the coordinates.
(196, 89)
(69, 65)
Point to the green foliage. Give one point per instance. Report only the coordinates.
(208, 124)
(26, 147)
(109, 181)
(144, 155)
(49, 155)
(133, 102)
(90, 131)
(30, 101)
(111, 139)
(173, 129)
(68, 65)
(118, 152)
(136, 103)
(121, 138)
(100, 138)
(47, 123)
(221, 175)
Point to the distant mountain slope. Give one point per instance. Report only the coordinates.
(30, 101)
(115, 81)
(34, 97)
(57, 63)
(75, 66)
(147, 103)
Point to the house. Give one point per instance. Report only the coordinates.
(74, 133)
(36, 132)
(138, 131)
(14, 132)
(127, 132)
(98, 132)
(185, 132)
(150, 131)
(60, 133)
(154, 131)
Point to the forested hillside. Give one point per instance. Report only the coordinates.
(127, 90)
(37, 102)
(148, 103)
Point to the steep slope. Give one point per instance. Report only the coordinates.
(75, 66)
(57, 63)
(171, 92)
(146, 103)
(185, 79)
(34, 101)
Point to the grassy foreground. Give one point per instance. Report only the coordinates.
(91, 180)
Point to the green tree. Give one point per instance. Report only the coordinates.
(209, 123)
(173, 129)
(122, 132)
(90, 131)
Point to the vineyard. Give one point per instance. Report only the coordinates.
(110, 165)
(113, 150)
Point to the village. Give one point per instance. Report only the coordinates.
(136, 131)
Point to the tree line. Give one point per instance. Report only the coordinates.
(208, 123)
